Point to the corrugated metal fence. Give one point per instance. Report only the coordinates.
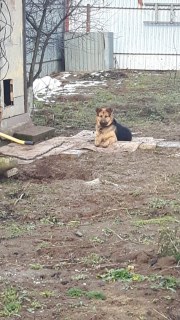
(90, 52)
(146, 36)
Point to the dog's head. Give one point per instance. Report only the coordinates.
(104, 117)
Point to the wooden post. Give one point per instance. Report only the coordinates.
(11, 92)
(1, 110)
(67, 19)
(88, 19)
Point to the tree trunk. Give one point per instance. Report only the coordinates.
(29, 99)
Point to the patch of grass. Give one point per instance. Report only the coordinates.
(35, 266)
(52, 221)
(95, 295)
(165, 282)
(97, 240)
(79, 304)
(107, 232)
(136, 193)
(16, 231)
(47, 294)
(79, 277)
(124, 275)
(75, 292)
(149, 97)
(158, 203)
(169, 242)
(120, 275)
(92, 259)
(162, 220)
(34, 305)
(11, 302)
(43, 244)
(74, 223)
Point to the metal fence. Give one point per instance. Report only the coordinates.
(146, 33)
(90, 52)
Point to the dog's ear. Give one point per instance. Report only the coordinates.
(109, 110)
(98, 110)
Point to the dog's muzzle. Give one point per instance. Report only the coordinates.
(103, 123)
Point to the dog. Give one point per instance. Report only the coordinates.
(108, 130)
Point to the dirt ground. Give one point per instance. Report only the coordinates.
(67, 223)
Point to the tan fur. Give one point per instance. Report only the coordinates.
(105, 129)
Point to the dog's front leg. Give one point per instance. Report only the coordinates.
(97, 141)
(109, 141)
(98, 138)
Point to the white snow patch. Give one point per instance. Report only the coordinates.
(46, 85)
(46, 88)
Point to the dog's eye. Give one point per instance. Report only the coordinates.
(106, 116)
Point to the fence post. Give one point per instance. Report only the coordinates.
(88, 19)
(67, 19)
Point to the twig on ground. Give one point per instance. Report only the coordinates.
(22, 194)
(161, 314)
(116, 234)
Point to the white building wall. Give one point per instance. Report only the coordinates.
(11, 65)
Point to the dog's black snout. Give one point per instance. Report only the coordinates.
(103, 123)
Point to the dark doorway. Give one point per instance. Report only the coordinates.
(8, 92)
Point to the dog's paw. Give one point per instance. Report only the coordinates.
(105, 144)
(97, 143)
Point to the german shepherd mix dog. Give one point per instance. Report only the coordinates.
(108, 130)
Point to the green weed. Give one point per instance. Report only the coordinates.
(73, 223)
(92, 259)
(11, 302)
(107, 232)
(158, 203)
(97, 240)
(95, 295)
(90, 295)
(35, 266)
(34, 305)
(41, 245)
(136, 193)
(120, 275)
(162, 220)
(51, 220)
(75, 292)
(79, 277)
(47, 294)
(169, 242)
(165, 282)
(124, 275)
(16, 231)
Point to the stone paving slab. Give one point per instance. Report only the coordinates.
(35, 133)
(169, 144)
(82, 141)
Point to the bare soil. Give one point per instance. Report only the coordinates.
(66, 221)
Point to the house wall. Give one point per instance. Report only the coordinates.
(145, 36)
(11, 65)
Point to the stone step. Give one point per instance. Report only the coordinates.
(35, 133)
(7, 163)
